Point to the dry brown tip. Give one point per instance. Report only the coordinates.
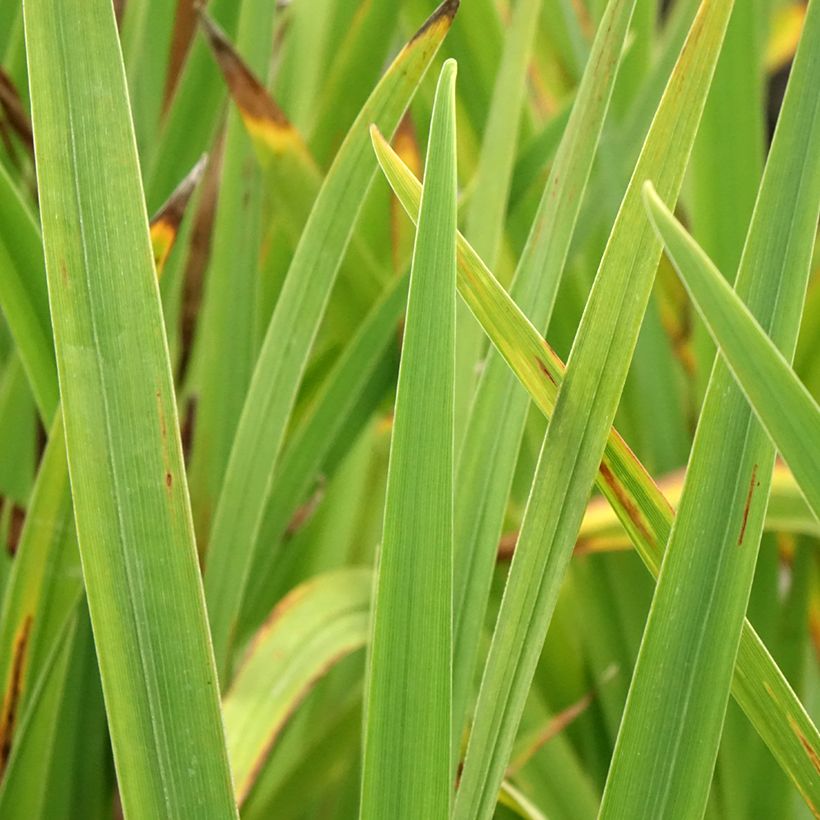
(172, 212)
(446, 11)
(248, 93)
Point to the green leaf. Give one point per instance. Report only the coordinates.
(22, 793)
(487, 210)
(290, 335)
(23, 295)
(759, 686)
(584, 411)
(496, 421)
(310, 630)
(677, 701)
(226, 342)
(406, 770)
(783, 405)
(322, 427)
(122, 438)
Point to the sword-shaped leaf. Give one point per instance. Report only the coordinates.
(782, 403)
(122, 438)
(677, 701)
(291, 332)
(406, 770)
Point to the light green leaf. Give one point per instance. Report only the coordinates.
(584, 411)
(406, 770)
(496, 422)
(311, 629)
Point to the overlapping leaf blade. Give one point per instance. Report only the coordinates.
(783, 405)
(291, 332)
(691, 638)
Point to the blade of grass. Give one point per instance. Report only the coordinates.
(496, 422)
(759, 686)
(407, 769)
(122, 439)
(294, 178)
(226, 339)
(584, 411)
(21, 791)
(488, 206)
(193, 114)
(783, 405)
(325, 424)
(290, 335)
(147, 35)
(309, 631)
(677, 701)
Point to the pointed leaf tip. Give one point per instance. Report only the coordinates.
(443, 14)
(248, 93)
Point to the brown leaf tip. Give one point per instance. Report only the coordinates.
(172, 212)
(248, 93)
(446, 11)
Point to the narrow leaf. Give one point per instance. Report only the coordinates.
(407, 772)
(677, 701)
(291, 333)
(783, 405)
(759, 686)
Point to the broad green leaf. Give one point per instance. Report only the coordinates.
(783, 405)
(407, 770)
(122, 438)
(759, 686)
(583, 415)
(677, 701)
(290, 335)
(310, 630)
(496, 421)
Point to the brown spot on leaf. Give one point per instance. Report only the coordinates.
(810, 751)
(11, 700)
(15, 111)
(543, 368)
(752, 484)
(626, 500)
(304, 513)
(16, 521)
(169, 480)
